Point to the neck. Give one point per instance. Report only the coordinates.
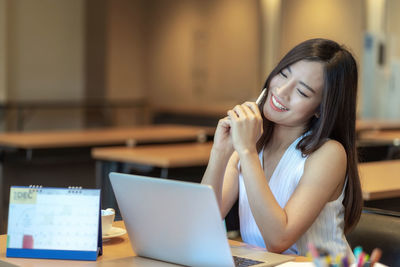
(283, 136)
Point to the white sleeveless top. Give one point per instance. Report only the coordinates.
(327, 231)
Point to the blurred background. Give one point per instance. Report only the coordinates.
(122, 64)
(74, 64)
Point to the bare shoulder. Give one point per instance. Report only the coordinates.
(322, 181)
(331, 151)
(327, 165)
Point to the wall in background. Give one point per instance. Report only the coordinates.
(381, 58)
(393, 59)
(3, 50)
(202, 52)
(126, 58)
(393, 20)
(95, 50)
(210, 51)
(45, 57)
(46, 49)
(340, 20)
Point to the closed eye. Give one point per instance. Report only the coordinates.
(301, 93)
(283, 74)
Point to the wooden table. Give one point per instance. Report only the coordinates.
(63, 158)
(101, 137)
(145, 158)
(380, 179)
(379, 145)
(163, 156)
(114, 249)
(377, 124)
(387, 136)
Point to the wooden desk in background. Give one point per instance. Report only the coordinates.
(380, 179)
(378, 145)
(63, 158)
(380, 182)
(376, 124)
(116, 252)
(387, 136)
(102, 137)
(164, 157)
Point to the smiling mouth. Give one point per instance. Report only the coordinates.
(278, 105)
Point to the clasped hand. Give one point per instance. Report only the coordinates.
(241, 129)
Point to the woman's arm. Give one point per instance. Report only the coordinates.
(322, 181)
(221, 172)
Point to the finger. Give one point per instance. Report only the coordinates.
(249, 111)
(224, 121)
(233, 115)
(240, 111)
(254, 108)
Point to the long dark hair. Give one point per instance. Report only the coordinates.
(337, 112)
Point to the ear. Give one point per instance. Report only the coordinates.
(318, 112)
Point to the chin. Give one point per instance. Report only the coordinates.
(269, 117)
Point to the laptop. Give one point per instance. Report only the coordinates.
(180, 222)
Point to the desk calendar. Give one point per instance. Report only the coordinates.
(54, 223)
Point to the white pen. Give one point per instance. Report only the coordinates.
(260, 97)
(258, 101)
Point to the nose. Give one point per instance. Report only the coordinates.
(284, 90)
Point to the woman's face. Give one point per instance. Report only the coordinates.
(295, 94)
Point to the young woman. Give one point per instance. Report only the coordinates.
(292, 161)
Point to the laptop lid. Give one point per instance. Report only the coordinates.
(178, 222)
(172, 221)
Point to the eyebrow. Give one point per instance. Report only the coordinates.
(302, 83)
